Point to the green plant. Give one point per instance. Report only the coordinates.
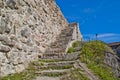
(28, 74)
(93, 54)
(71, 49)
(75, 44)
(103, 73)
(49, 60)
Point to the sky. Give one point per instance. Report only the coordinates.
(100, 17)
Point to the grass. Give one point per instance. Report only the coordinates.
(28, 74)
(74, 45)
(103, 73)
(54, 74)
(57, 67)
(49, 60)
(17, 76)
(71, 50)
(93, 54)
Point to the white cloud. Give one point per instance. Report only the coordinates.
(107, 37)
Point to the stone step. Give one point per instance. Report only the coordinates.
(61, 62)
(72, 56)
(59, 43)
(47, 78)
(58, 46)
(58, 65)
(53, 52)
(54, 73)
(63, 35)
(50, 60)
(64, 39)
(78, 48)
(67, 30)
(53, 55)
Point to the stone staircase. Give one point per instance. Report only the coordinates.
(62, 68)
(58, 48)
(56, 64)
(56, 69)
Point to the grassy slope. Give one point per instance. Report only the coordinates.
(93, 54)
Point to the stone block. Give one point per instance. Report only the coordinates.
(3, 26)
(25, 32)
(4, 48)
(11, 4)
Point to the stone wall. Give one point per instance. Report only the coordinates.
(77, 36)
(27, 27)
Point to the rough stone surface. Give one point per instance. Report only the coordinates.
(112, 61)
(27, 28)
(60, 47)
(47, 78)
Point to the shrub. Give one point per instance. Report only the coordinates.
(71, 49)
(75, 44)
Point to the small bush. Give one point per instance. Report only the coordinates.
(71, 49)
(75, 44)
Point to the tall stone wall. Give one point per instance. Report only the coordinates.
(27, 27)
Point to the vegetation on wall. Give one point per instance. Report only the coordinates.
(74, 45)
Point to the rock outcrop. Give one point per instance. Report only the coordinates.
(116, 47)
(27, 28)
(112, 60)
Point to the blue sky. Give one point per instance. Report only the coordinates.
(94, 16)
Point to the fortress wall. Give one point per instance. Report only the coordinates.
(27, 27)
